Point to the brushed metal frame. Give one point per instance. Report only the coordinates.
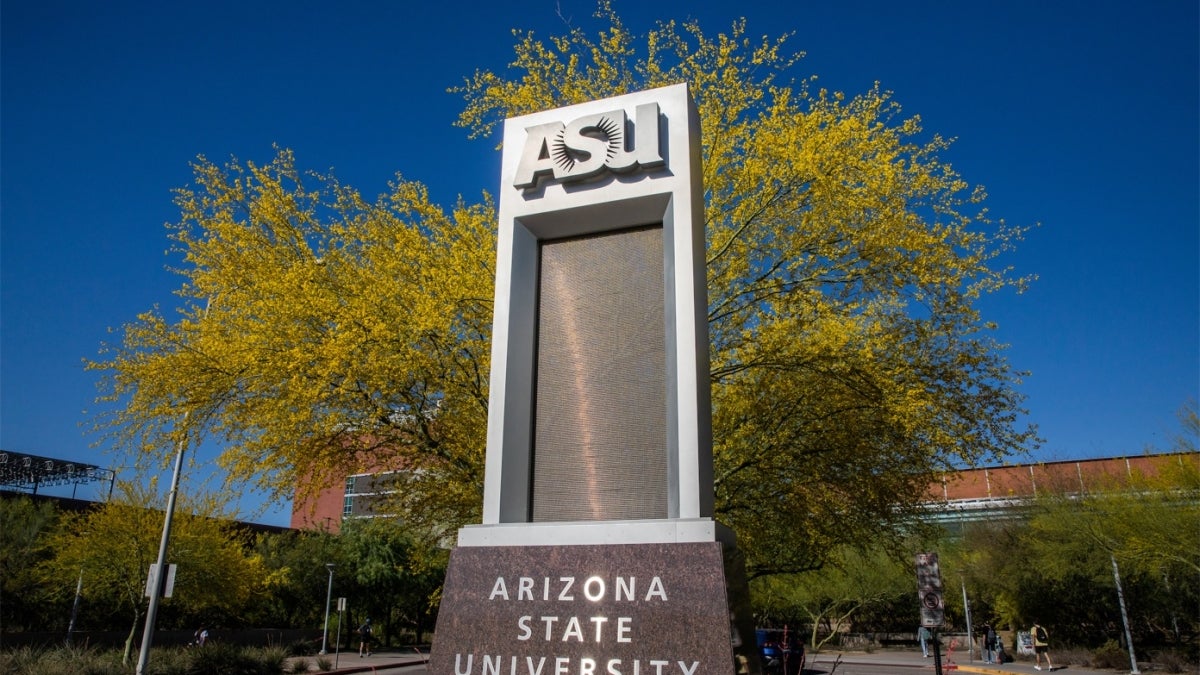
(669, 193)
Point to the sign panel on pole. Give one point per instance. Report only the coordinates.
(151, 580)
(165, 584)
(169, 588)
(929, 590)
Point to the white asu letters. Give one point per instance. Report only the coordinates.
(587, 146)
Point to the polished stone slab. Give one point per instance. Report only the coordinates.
(637, 609)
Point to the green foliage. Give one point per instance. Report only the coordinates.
(115, 543)
(24, 526)
(63, 661)
(223, 580)
(68, 661)
(1149, 523)
(1055, 562)
(383, 570)
(1051, 559)
(172, 661)
(832, 599)
(293, 573)
(320, 334)
(212, 659)
(1110, 655)
(234, 660)
(397, 578)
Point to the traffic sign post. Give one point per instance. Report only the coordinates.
(164, 583)
(929, 590)
(337, 645)
(932, 603)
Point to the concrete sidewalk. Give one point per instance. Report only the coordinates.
(390, 662)
(951, 663)
(351, 662)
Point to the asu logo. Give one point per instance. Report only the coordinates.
(588, 146)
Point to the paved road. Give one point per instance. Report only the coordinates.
(905, 662)
(379, 663)
(883, 662)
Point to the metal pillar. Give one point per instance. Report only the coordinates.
(328, 596)
(160, 568)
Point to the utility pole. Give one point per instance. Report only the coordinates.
(1124, 616)
(161, 568)
(75, 606)
(328, 597)
(970, 628)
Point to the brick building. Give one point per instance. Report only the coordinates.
(961, 496)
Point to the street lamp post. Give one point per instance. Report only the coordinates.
(328, 597)
(75, 606)
(160, 568)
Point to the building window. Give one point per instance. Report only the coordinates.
(350, 485)
(348, 505)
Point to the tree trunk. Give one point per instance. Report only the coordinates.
(129, 639)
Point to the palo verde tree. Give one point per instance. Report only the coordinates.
(845, 259)
(112, 547)
(321, 334)
(850, 362)
(827, 602)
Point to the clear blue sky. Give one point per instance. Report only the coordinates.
(1081, 116)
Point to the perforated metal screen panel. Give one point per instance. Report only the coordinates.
(600, 423)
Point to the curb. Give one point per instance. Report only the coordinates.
(375, 667)
(986, 670)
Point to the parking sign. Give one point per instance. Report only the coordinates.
(929, 590)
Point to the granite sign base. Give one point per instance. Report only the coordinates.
(612, 609)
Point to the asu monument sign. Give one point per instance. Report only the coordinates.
(598, 553)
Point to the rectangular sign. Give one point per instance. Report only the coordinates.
(167, 586)
(648, 609)
(929, 590)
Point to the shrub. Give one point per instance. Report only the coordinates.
(18, 660)
(271, 659)
(168, 661)
(61, 661)
(1070, 656)
(1110, 655)
(302, 648)
(221, 658)
(212, 658)
(1172, 662)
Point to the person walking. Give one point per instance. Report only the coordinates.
(989, 644)
(1041, 645)
(364, 638)
(923, 636)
